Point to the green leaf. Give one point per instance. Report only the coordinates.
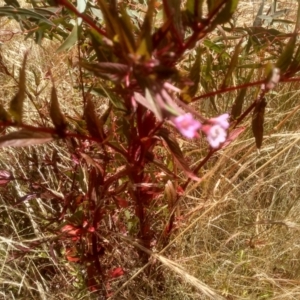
(13, 3)
(56, 114)
(215, 47)
(258, 122)
(172, 11)
(46, 11)
(232, 65)
(128, 29)
(225, 10)
(37, 78)
(238, 103)
(103, 52)
(194, 75)
(111, 23)
(195, 9)
(70, 41)
(4, 115)
(16, 104)
(145, 46)
(172, 145)
(296, 61)
(207, 78)
(112, 96)
(107, 70)
(25, 138)
(22, 12)
(106, 113)
(286, 57)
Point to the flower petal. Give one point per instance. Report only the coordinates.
(187, 125)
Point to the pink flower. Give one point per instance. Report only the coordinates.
(187, 125)
(221, 120)
(216, 135)
(215, 130)
(273, 81)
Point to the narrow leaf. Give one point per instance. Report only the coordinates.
(127, 30)
(22, 12)
(70, 41)
(56, 114)
(239, 101)
(194, 8)
(258, 21)
(194, 76)
(4, 115)
(111, 24)
(233, 64)
(93, 122)
(5, 177)
(233, 135)
(172, 145)
(286, 57)
(224, 13)
(25, 138)
(107, 70)
(296, 61)
(173, 11)
(149, 103)
(145, 39)
(258, 122)
(170, 194)
(16, 104)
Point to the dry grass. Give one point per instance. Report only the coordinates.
(239, 236)
(242, 225)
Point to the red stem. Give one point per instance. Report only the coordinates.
(53, 131)
(229, 89)
(242, 86)
(85, 18)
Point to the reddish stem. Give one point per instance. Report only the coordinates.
(53, 131)
(85, 18)
(229, 89)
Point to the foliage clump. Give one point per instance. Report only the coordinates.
(119, 192)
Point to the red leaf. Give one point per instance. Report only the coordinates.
(71, 255)
(5, 177)
(117, 272)
(25, 137)
(233, 135)
(122, 202)
(179, 190)
(73, 259)
(91, 229)
(71, 230)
